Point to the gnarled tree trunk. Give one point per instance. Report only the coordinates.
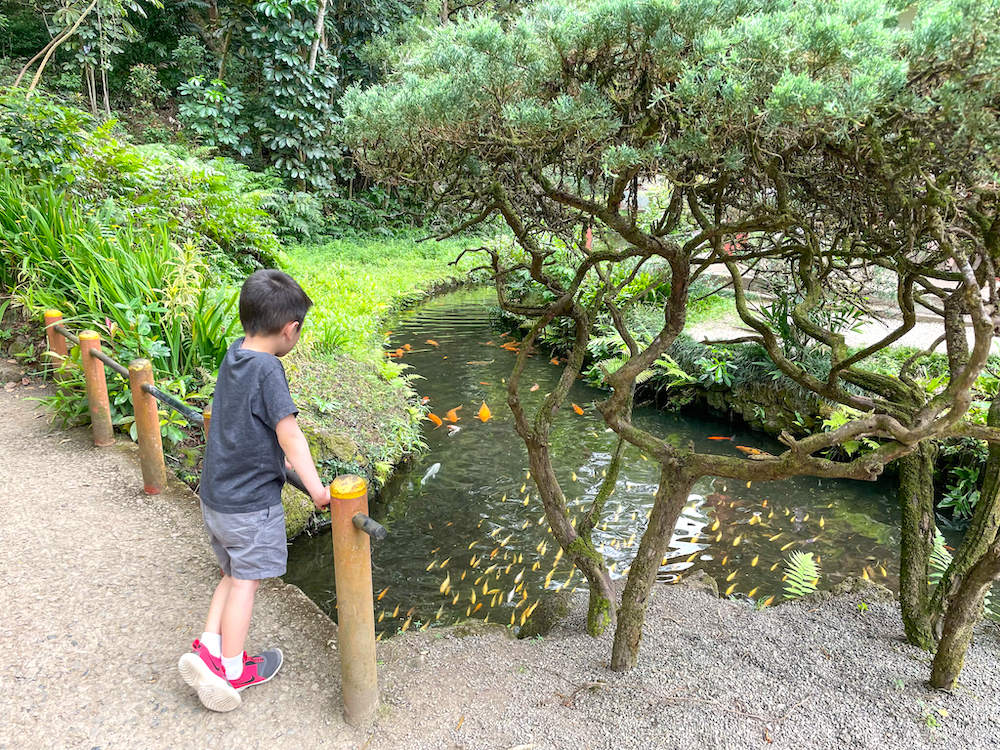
(916, 500)
(671, 495)
(981, 533)
(961, 618)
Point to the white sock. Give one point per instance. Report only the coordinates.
(233, 666)
(213, 642)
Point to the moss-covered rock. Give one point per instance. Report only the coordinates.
(701, 581)
(551, 610)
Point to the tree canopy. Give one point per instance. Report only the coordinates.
(820, 138)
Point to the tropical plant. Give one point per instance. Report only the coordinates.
(801, 574)
(213, 112)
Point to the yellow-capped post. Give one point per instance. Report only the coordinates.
(55, 341)
(147, 425)
(355, 603)
(97, 389)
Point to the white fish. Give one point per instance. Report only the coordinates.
(453, 429)
(431, 472)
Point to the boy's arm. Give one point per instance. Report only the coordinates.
(296, 449)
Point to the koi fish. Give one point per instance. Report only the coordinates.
(432, 342)
(484, 413)
(534, 388)
(719, 437)
(483, 382)
(381, 594)
(577, 409)
(453, 429)
(554, 361)
(435, 419)
(407, 347)
(747, 450)
(452, 414)
(431, 472)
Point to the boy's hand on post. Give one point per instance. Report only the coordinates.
(322, 502)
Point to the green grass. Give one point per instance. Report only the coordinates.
(356, 283)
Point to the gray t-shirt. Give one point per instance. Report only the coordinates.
(244, 466)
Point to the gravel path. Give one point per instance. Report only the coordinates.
(103, 588)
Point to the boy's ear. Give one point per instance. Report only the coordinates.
(290, 328)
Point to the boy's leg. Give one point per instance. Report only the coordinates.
(235, 623)
(213, 622)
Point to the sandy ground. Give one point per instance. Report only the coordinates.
(103, 588)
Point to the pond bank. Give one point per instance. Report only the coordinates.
(712, 673)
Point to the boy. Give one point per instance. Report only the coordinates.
(253, 438)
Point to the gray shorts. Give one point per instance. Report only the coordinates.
(249, 546)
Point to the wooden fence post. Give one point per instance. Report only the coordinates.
(55, 341)
(355, 602)
(97, 390)
(147, 424)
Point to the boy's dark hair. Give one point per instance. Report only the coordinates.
(269, 300)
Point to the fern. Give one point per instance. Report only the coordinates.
(801, 575)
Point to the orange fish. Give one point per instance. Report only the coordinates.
(432, 342)
(424, 399)
(749, 451)
(407, 347)
(484, 413)
(577, 409)
(483, 382)
(435, 419)
(381, 594)
(554, 361)
(534, 388)
(489, 343)
(504, 334)
(398, 353)
(718, 437)
(451, 415)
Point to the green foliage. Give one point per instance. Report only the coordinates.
(958, 470)
(189, 57)
(128, 281)
(294, 108)
(212, 112)
(43, 138)
(143, 85)
(801, 575)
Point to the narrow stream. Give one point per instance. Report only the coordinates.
(467, 535)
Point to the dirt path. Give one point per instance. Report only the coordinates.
(103, 588)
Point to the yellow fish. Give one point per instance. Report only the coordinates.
(788, 545)
(381, 594)
(737, 540)
(443, 588)
(484, 413)
(752, 591)
(731, 576)
(753, 563)
(714, 526)
(729, 590)
(767, 602)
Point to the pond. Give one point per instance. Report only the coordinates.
(467, 534)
